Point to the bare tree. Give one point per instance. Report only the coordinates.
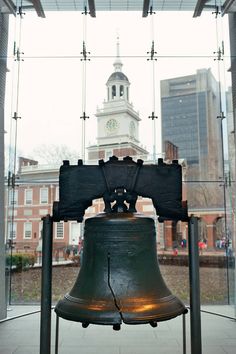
(54, 154)
(205, 195)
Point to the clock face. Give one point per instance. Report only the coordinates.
(132, 129)
(112, 125)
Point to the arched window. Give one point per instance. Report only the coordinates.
(127, 91)
(121, 90)
(113, 91)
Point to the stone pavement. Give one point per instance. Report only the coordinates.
(21, 335)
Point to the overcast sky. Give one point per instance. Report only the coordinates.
(50, 89)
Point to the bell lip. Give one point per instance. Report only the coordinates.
(112, 316)
(100, 317)
(88, 318)
(118, 321)
(153, 318)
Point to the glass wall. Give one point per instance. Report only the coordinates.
(175, 104)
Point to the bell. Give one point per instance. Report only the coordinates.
(119, 280)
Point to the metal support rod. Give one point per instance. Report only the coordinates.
(194, 280)
(57, 334)
(46, 286)
(184, 333)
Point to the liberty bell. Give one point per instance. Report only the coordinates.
(119, 280)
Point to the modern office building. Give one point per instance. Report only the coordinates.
(190, 107)
(190, 110)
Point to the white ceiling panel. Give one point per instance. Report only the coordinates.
(117, 5)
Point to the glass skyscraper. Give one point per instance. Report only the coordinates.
(190, 107)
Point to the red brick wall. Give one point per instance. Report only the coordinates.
(124, 152)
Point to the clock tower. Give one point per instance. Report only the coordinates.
(117, 121)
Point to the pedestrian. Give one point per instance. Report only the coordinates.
(67, 253)
(183, 243)
(175, 248)
(201, 246)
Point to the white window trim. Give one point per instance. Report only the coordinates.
(29, 223)
(10, 229)
(15, 193)
(57, 194)
(71, 223)
(63, 231)
(40, 196)
(31, 201)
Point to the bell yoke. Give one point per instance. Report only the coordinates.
(120, 280)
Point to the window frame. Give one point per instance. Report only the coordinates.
(41, 201)
(61, 223)
(26, 223)
(25, 196)
(12, 230)
(57, 193)
(13, 193)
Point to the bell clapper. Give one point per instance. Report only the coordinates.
(153, 324)
(85, 324)
(116, 327)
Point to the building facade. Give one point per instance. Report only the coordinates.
(118, 135)
(190, 106)
(37, 187)
(33, 198)
(117, 120)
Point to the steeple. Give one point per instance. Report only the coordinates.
(118, 83)
(118, 64)
(117, 121)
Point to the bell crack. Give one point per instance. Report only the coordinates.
(110, 287)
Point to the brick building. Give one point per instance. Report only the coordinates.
(118, 134)
(37, 185)
(33, 198)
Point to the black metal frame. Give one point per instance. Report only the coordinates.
(46, 286)
(194, 282)
(46, 292)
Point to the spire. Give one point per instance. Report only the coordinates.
(118, 64)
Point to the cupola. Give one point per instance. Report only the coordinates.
(118, 83)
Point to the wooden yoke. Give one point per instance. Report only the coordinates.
(122, 180)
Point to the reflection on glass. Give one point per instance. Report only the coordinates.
(182, 88)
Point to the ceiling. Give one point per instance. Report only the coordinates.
(92, 6)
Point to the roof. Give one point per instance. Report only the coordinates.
(118, 75)
(144, 6)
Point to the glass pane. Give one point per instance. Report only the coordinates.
(178, 106)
